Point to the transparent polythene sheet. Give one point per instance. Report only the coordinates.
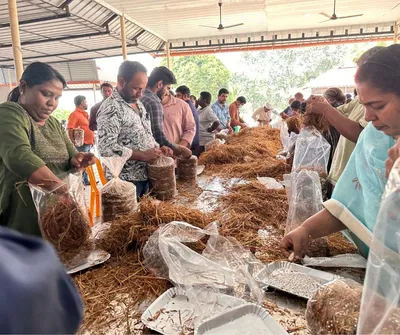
(312, 151)
(380, 312)
(224, 265)
(305, 197)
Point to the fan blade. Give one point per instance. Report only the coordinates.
(348, 17)
(234, 25)
(200, 25)
(324, 14)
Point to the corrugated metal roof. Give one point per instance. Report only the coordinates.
(266, 22)
(52, 31)
(79, 73)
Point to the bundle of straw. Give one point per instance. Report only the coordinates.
(65, 225)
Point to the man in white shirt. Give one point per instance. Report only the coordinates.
(263, 115)
(208, 122)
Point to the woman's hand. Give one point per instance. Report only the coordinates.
(83, 159)
(393, 155)
(317, 105)
(297, 240)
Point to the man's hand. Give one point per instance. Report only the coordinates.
(181, 151)
(151, 154)
(83, 159)
(393, 155)
(167, 151)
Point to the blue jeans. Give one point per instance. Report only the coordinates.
(84, 148)
(142, 188)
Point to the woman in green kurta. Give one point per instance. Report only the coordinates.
(33, 146)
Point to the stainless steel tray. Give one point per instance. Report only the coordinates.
(273, 275)
(173, 314)
(248, 319)
(96, 257)
(340, 261)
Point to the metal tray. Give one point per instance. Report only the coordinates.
(96, 257)
(248, 319)
(321, 277)
(200, 169)
(340, 261)
(173, 314)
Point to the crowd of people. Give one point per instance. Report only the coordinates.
(142, 120)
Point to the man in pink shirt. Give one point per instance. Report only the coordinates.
(179, 124)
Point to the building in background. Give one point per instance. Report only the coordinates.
(341, 77)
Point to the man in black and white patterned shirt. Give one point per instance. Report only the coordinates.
(124, 127)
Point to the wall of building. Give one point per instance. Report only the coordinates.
(4, 90)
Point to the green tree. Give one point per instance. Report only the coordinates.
(272, 75)
(360, 48)
(200, 73)
(61, 114)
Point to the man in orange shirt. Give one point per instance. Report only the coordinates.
(236, 120)
(79, 118)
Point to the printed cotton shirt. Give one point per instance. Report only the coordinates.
(120, 130)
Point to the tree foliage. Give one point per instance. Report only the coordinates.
(200, 73)
(273, 75)
(61, 114)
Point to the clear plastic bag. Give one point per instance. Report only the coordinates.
(334, 308)
(187, 168)
(161, 174)
(223, 267)
(284, 135)
(380, 311)
(340, 261)
(305, 199)
(312, 151)
(78, 136)
(118, 197)
(63, 219)
(270, 183)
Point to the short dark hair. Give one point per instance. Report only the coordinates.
(79, 99)
(193, 96)
(382, 70)
(184, 90)
(335, 96)
(161, 73)
(223, 91)
(206, 96)
(295, 104)
(128, 69)
(242, 100)
(105, 84)
(36, 73)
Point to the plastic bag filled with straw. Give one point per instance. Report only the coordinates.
(161, 174)
(118, 197)
(335, 308)
(63, 219)
(187, 168)
(78, 137)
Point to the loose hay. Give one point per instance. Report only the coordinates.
(320, 122)
(263, 167)
(123, 281)
(67, 228)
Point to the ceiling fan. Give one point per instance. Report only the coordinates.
(335, 17)
(221, 26)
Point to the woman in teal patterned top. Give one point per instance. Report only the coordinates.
(34, 147)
